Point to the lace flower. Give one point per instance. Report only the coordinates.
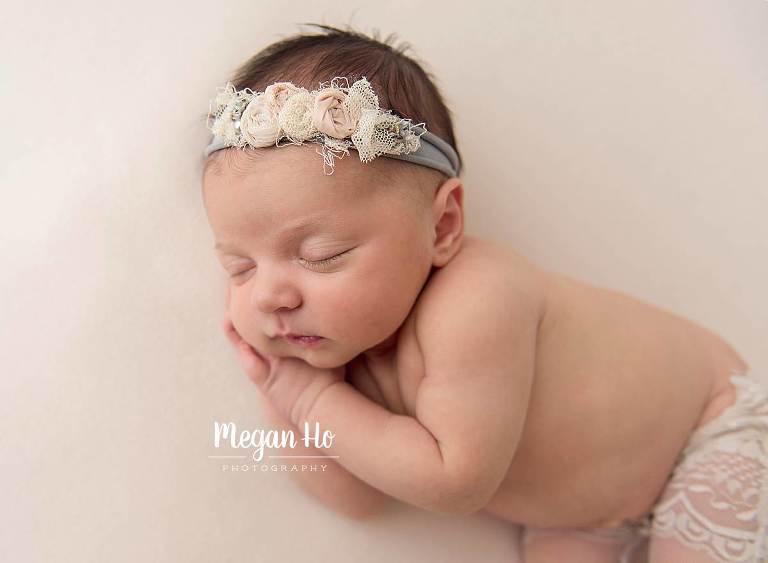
(295, 117)
(226, 95)
(224, 124)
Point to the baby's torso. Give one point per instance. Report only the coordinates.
(618, 387)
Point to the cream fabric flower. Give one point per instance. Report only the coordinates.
(258, 123)
(295, 118)
(330, 114)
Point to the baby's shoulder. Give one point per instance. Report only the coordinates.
(484, 274)
(481, 308)
(484, 264)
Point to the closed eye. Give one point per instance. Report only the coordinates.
(238, 274)
(325, 262)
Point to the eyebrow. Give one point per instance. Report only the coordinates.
(289, 231)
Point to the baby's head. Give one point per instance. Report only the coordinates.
(341, 256)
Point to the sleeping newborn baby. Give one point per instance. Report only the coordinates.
(457, 375)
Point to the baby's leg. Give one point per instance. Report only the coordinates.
(715, 506)
(574, 545)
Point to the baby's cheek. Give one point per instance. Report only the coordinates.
(249, 330)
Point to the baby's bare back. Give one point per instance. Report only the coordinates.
(619, 385)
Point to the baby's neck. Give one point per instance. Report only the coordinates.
(384, 349)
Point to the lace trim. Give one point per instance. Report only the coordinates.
(723, 477)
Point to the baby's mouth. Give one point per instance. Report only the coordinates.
(304, 340)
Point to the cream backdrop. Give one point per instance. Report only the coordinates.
(625, 143)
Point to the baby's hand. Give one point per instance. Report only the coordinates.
(290, 384)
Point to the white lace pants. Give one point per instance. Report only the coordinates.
(713, 509)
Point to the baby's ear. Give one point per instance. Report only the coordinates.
(448, 215)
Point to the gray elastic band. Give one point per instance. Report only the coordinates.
(433, 152)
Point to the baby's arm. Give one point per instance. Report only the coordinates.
(335, 487)
(476, 333)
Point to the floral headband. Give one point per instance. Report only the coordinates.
(337, 117)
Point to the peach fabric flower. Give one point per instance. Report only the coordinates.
(330, 115)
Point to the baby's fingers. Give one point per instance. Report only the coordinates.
(255, 367)
(230, 331)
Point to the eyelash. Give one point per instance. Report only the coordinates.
(322, 263)
(326, 261)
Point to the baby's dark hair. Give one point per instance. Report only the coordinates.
(307, 60)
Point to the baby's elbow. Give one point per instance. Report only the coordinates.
(469, 487)
(466, 496)
(469, 503)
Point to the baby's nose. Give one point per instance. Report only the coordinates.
(273, 290)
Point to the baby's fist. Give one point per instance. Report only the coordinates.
(291, 384)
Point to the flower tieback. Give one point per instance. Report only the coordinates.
(337, 116)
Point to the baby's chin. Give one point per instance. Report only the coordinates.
(327, 355)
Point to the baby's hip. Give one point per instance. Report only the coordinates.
(742, 410)
(724, 396)
(738, 426)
